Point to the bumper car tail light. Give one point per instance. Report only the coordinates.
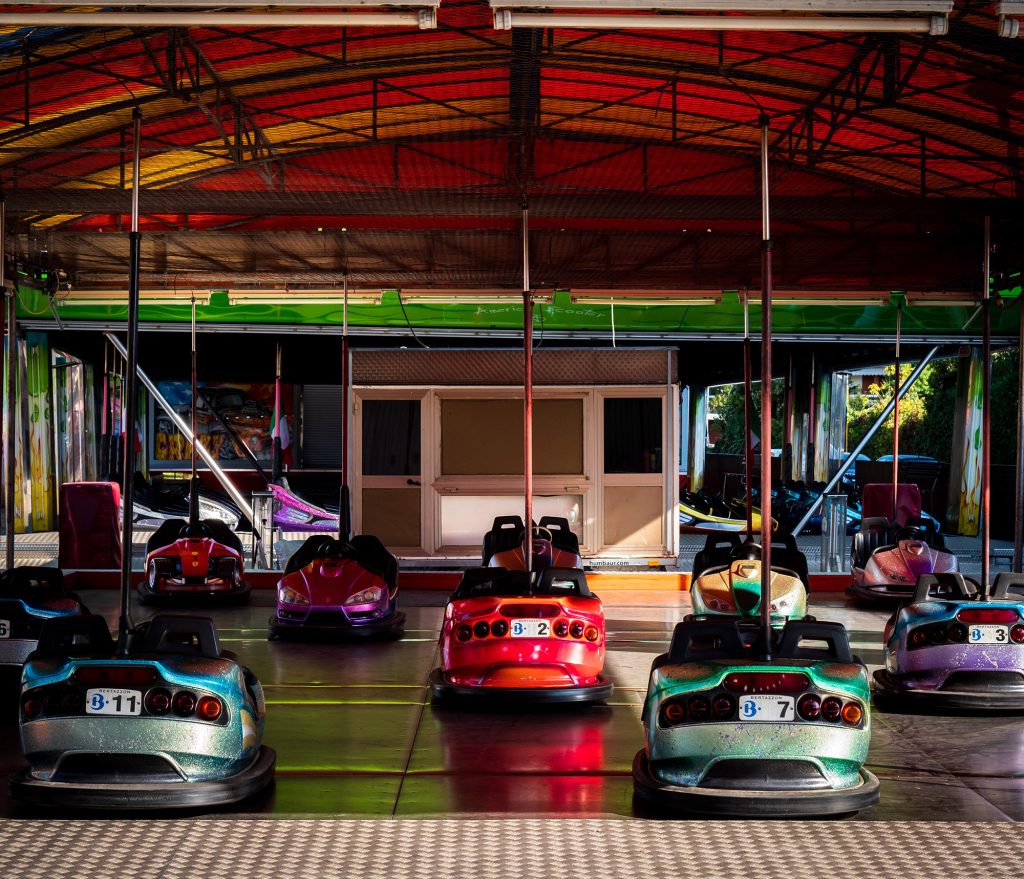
(809, 707)
(852, 713)
(31, 706)
(72, 702)
(367, 596)
(673, 713)
(767, 682)
(989, 615)
(831, 708)
(158, 701)
(723, 706)
(576, 630)
(463, 632)
(918, 638)
(116, 675)
(698, 708)
(481, 629)
(957, 633)
(184, 703)
(209, 708)
(561, 628)
(591, 633)
(1017, 634)
(499, 628)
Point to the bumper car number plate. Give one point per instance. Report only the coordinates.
(113, 701)
(989, 635)
(5, 628)
(767, 708)
(530, 628)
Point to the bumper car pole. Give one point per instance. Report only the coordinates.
(1018, 521)
(896, 418)
(527, 394)
(12, 325)
(124, 623)
(748, 445)
(986, 404)
(344, 501)
(766, 399)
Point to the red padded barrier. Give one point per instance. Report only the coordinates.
(90, 530)
(878, 501)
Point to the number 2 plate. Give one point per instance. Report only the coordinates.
(111, 701)
(989, 635)
(530, 628)
(766, 708)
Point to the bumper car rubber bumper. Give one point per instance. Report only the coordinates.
(442, 689)
(118, 796)
(859, 592)
(193, 598)
(890, 694)
(733, 803)
(392, 626)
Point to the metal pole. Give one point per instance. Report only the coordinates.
(345, 507)
(527, 393)
(124, 624)
(1018, 527)
(852, 456)
(748, 422)
(275, 466)
(766, 400)
(12, 350)
(896, 419)
(183, 428)
(986, 405)
(812, 424)
(193, 488)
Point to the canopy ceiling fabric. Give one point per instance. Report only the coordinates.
(408, 153)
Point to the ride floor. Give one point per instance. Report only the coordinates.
(357, 737)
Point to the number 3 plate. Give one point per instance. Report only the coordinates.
(989, 634)
(766, 708)
(111, 701)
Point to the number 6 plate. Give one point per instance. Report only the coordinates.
(112, 701)
(767, 709)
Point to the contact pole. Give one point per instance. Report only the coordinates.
(896, 418)
(766, 399)
(986, 405)
(131, 394)
(275, 467)
(748, 422)
(1018, 524)
(12, 360)
(527, 393)
(345, 507)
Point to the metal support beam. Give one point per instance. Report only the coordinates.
(12, 360)
(852, 456)
(766, 400)
(183, 428)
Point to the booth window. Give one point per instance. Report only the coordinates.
(391, 437)
(632, 435)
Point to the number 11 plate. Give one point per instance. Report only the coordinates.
(767, 709)
(112, 701)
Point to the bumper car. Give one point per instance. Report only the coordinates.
(554, 544)
(178, 723)
(955, 646)
(193, 563)
(887, 561)
(729, 734)
(28, 598)
(727, 580)
(338, 588)
(510, 637)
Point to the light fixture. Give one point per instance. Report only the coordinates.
(852, 16)
(421, 14)
(119, 298)
(303, 297)
(1010, 12)
(625, 301)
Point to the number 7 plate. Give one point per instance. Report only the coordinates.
(106, 700)
(767, 709)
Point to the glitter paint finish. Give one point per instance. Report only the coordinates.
(736, 591)
(893, 572)
(196, 750)
(23, 621)
(682, 755)
(929, 667)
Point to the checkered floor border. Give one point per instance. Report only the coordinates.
(504, 849)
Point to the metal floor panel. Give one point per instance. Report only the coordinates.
(502, 849)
